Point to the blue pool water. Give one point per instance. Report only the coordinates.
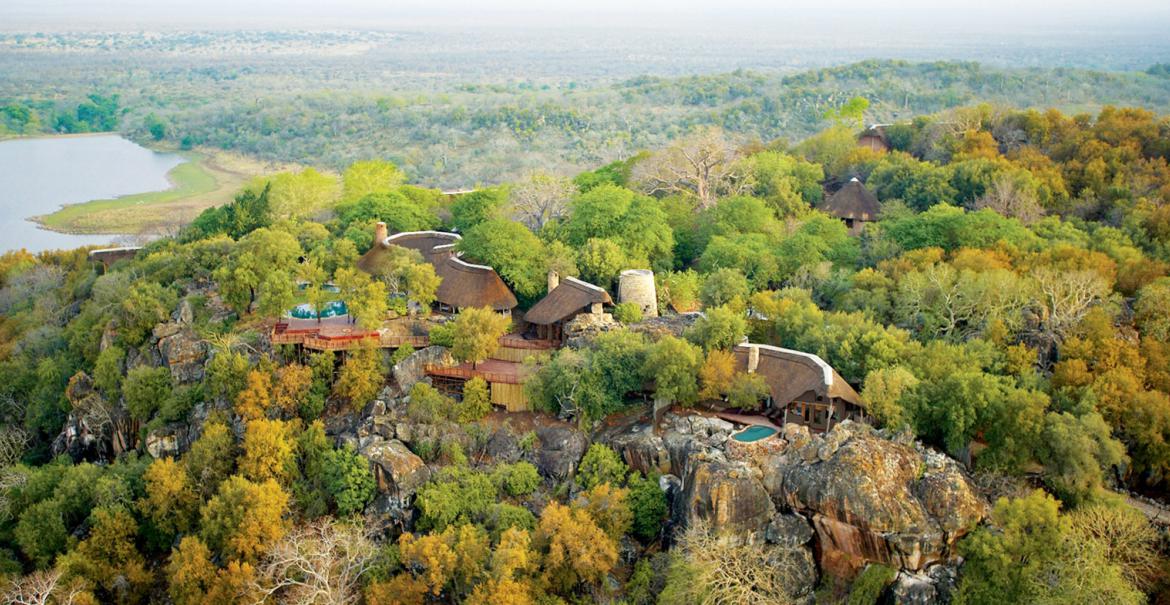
(754, 433)
(329, 309)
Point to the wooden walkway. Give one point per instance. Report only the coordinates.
(338, 334)
(492, 370)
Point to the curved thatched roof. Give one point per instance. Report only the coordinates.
(466, 285)
(790, 374)
(571, 296)
(463, 284)
(853, 201)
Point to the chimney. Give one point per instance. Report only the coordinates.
(554, 280)
(380, 234)
(753, 358)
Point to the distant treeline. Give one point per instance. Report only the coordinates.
(452, 134)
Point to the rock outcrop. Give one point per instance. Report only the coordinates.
(413, 368)
(586, 326)
(559, 450)
(397, 470)
(875, 500)
(728, 496)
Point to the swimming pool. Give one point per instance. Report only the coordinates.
(754, 433)
(329, 309)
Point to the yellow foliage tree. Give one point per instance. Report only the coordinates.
(292, 386)
(433, 555)
(607, 506)
(108, 559)
(402, 589)
(574, 548)
(269, 451)
(513, 556)
(501, 592)
(255, 399)
(716, 374)
(245, 517)
(171, 501)
(360, 377)
(190, 572)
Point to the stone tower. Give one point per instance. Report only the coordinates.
(637, 286)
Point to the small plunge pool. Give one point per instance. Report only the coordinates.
(754, 433)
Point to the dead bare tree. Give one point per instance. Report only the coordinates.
(1006, 198)
(320, 563)
(541, 198)
(702, 164)
(1064, 299)
(723, 568)
(41, 588)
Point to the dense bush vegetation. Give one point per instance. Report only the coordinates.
(1011, 307)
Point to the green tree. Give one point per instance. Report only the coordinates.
(479, 206)
(600, 261)
(721, 327)
(348, 480)
(107, 372)
(512, 250)
(649, 506)
(636, 223)
(371, 176)
(477, 401)
(258, 268)
(673, 364)
(724, 286)
(145, 305)
(477, 334)
(146, 388)
(601, 465)
(41, 533)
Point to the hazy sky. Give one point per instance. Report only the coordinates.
(1015, 15)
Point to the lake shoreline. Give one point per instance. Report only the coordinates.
(206, 178)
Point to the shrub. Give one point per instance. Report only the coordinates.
(145, 389)
(427, 404)
(443, 335)
(401, 353)
(648, 504)
(476, 401)
(518, 479)
(868, 586)
(601, 465)
(348, 480)
(628, 312)
(503, 516)
(456, 495)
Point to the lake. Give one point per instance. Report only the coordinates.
(39, 175)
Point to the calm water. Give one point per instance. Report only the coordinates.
(38, 176)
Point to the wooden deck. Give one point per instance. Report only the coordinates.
(337, 334)
(492, 370)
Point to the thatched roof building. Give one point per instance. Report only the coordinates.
(466, 285)
(804, 389)
(463, 284)
(874, 138)
(853, 204)
(565, 300)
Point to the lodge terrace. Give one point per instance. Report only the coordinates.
(802, 387)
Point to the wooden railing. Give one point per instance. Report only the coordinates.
(519, 342)
(469, 373)
(393, 342)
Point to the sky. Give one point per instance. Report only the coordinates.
(990, 15)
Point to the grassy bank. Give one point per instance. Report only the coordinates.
(208, 178)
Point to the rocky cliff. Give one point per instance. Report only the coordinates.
(867, 496)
